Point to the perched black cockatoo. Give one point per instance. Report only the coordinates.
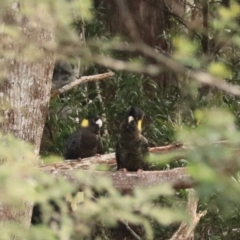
(132, 147)
(86, 141)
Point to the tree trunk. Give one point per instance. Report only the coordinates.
(25, 88)
(146, 21)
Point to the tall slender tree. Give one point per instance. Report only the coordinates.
(26, 68)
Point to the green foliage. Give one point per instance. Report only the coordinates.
(214, 155)
(21, 182)
(206, 120)
(118, 94)
(172, 109)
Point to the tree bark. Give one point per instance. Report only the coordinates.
(25, 87)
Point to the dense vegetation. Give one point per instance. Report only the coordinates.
(177, 108)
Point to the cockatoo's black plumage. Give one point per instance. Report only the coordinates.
(86, 141)
(132, 147)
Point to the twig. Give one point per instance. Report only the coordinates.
(130, 230)
(120, 65)
(81, 80)
(186, 230)
(103, 232)
(104, 118)
(167, 148)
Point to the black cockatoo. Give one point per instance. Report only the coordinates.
(132, 147)
(86, 141)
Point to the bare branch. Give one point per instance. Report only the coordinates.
(200, 76)
(131, 230)
(81, 80)
(119, 65)
(186, 230)
(167, 148)
(169, 63)
(177, 17)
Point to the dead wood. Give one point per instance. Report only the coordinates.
(79, 81)
(108, 159)
(186, 230)
(167, 148)
(177, 177)
(131, 231)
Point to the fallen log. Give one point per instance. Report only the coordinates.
(177, 177)
(108, 159)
